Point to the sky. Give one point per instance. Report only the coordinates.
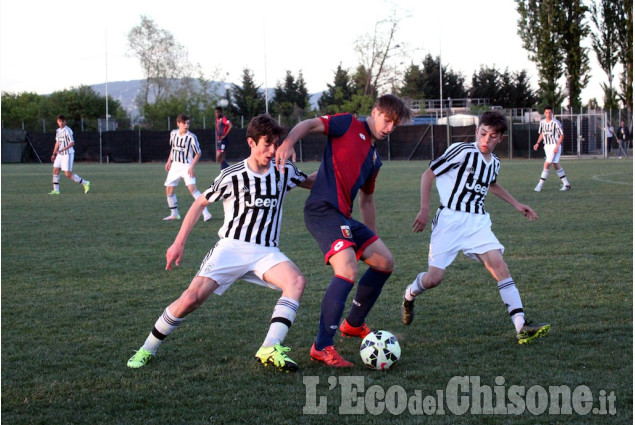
(47, 46)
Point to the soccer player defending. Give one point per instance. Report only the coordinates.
(350, 165)
(223, 127)
(184, 154)
(464, 174)
(252, 192)
(551, 134)
(63, 157)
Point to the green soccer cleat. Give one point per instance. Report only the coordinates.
(54, 192)
(530, 332)
(276, 355)
(140, 358)
(86, 186)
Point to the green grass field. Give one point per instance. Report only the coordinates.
(83, 282)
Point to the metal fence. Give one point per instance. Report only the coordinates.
(584, 135)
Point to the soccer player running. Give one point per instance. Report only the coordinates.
(464, 174)
(349, 166)
(223, 127)
(252, 192)
(63, 157)
(551, 134)
(184, 154)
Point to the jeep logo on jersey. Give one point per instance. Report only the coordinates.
(261, 202)
(477, 187)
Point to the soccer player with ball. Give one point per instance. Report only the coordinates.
(252, 192)
(464, 174)
(349, 166)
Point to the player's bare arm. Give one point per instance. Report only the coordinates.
(503, 194)
(308, 183)
(175, 251)
(424, 213)
(168, 164)
(300, 130)
(367, 209)
(538, 143)
(190, 170)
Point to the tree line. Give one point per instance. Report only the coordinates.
(552, 32)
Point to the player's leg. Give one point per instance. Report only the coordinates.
(195, 193)
(56, 179)
(560, 171)
(220, 154)
(67, 167)
(286, 276)
(381, 263)
(199, 290)
(494, 263)
(543, 176)
(172, 201)
(424, 281)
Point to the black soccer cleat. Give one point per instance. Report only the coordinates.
(407, 311)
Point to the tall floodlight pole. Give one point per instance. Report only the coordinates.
(107, 80)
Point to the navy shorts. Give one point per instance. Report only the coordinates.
(221, 145)
(334, 232)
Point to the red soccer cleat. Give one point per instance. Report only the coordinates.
(354, 331)
(329, 356)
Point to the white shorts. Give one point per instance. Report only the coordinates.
(231, 260)
(454, 231)
(65, 162)
(178, 171)
(550, 156)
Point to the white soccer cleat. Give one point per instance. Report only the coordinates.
(565, 187)
(172, 217)
(207, 216)
(538, 188)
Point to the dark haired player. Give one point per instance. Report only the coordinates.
(252, 192)
(349, 166)
(464, 174)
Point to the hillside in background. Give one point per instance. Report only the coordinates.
(126, 92)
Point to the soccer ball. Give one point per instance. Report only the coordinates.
(379, 350)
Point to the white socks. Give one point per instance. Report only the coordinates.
(511, 297)
(281, 320)
(415, 288)
(164, 326)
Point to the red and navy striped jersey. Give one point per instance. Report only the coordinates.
(221, 124)
(350, 163)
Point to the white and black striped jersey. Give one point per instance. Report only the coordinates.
(463, 177)
(551, 131)
(64, 137)
(252, 203)
(184, 147)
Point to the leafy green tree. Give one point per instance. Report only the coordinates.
(249, 100)
(338, 93)
(413, 83)
(291, 99)
(625, 42)
(574, 29)
(163, 60)
(605, 18)
(538, 28)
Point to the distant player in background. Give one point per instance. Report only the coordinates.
(63, 157)
(551, 134)
(184, 154)
(223, 127)
(252, 192)
(464, 174)
(349, 166)
(623, 139)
